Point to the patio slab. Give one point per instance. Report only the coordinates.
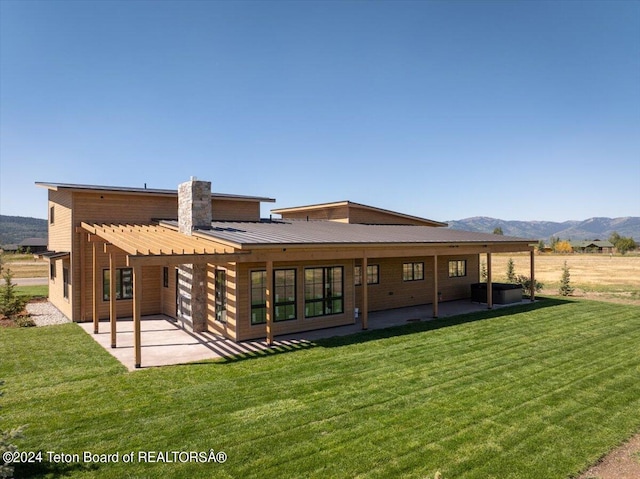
(165, 342)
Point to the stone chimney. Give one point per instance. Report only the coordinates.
(194, 205)
(194, 212)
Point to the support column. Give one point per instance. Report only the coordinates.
(137, 300)
(435, 286)
(96, 322)
(365, 294)
(83, 286)
(489, 287)
(112, 297)
(269, 303)
(533, 278)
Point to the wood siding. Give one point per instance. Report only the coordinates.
(365, 216)
(335, 213)
(60, 231)
(234, 210)
(392, 292)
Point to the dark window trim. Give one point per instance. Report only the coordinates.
(357, 274)
(52, 270)
(51, 215)
(221, 295)
(66, 280)
(413, 276)
(165, 276)
(293, 303)
(327, 299)
(261, 305)
(119, 281)
(457, 268)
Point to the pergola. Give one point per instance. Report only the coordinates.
(158, 245)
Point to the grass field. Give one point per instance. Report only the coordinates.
(25, 265)
(594, 275)
(538, 391)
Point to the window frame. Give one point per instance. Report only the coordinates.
(66, 281)
(414, 269)
(220, 287)
(357, 274)
(327, 299)
(457, 268)
(262, 305)
(124, 287)
(165, 276)
(285, 303)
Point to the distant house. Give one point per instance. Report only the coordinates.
(595, 246)
(209, 260)
(33, 245)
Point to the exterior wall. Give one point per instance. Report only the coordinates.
(168, 295)
(234, 210)
(245, 330)
(56, 287)
(60, 236)
(365, 216)
(392, 292)
(338, 213)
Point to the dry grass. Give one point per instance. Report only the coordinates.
(25, 265)
(593, 275)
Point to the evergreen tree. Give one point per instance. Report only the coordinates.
(565, 282)
(511, 271)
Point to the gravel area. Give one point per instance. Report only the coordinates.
(44, 313)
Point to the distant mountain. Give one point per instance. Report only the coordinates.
(14, 229)
(593, 228)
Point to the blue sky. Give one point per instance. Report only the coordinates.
(442, 109)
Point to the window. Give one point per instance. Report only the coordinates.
(65, 282)
(221, 295)
(52, 269)
(457, 268)
(412, 271)
(373, 274)
(51, 217)
(323, 291)
(165, 277)
(124, 284)
(258, 297)
(285, 294)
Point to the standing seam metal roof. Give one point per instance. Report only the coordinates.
(301, 232)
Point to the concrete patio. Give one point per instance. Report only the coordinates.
(165, 342)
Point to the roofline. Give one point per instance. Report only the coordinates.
(143, 191)
(358, 205)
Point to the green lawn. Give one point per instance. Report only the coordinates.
(539, 391)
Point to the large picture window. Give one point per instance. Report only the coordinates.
(124, 284)
(457, 268)
(285, 294)
(412, 271)
(323, 291)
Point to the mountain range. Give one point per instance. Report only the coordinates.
(590, 229)
(14, 229)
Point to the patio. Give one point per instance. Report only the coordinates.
(165, 342)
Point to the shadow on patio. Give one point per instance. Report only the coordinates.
(165, 342)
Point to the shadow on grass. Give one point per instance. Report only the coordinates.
(51, 469)
(393, 331)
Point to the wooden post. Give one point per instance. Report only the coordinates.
(269, 300)
(83, 286)
(435, 286)
(96, 322)
(489, 287)
(112, 297)
(365, 293)
(137, 300)
(533, 279)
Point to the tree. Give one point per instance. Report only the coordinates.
(565, 281)
(483, 272)
(540, 246)
(622, 243)
(625, 244)
(497, 231)
(511, 271)
(563, 247)
(10, 303)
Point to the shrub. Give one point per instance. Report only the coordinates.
(525, 281)
(25, 322)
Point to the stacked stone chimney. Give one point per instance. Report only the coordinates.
(194, 212)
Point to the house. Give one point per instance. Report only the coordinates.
(209, 261)
(31, 245)
(595, 246)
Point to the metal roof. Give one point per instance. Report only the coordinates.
(317, 233)
(149, 191)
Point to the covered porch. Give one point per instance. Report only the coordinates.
(167, 343)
